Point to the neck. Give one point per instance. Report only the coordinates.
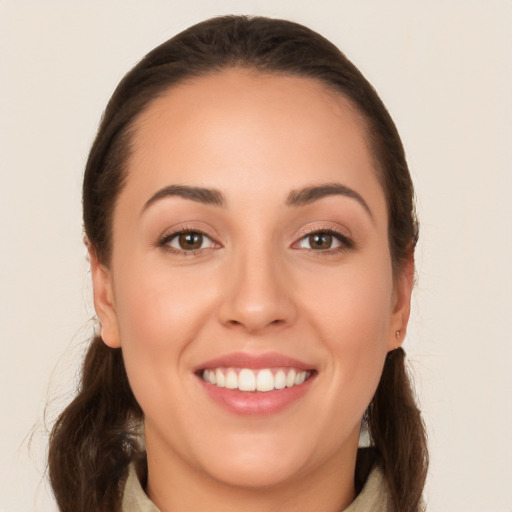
(174, 485)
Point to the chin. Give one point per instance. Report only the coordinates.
(256, 473)
(267, 458)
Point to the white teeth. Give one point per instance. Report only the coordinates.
(300, 378)
(280, 380)
(219, 377)
(254, 380)
(290, 379)
(265, 381)
(231, 380)
(246, 380)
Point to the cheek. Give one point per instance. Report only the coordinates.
(352, 306)
(159, 313)
(158, 306)
(352, 318)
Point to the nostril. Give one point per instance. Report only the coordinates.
(255, 307)
(236, 323)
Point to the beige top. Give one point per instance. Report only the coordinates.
(372, 498)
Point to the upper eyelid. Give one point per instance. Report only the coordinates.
(322, 228)
(207, 231)
(164, 243)
(174, 234)
(342, 235)
(336, 234)
(188, 228)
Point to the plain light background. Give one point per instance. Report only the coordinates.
(442, 67)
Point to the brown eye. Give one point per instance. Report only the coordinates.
(324, 241)
(190, 241)
(320, 241)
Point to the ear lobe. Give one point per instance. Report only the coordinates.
(402, 305)
(104, 300)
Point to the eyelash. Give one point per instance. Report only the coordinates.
(165, 240)
(345, 242)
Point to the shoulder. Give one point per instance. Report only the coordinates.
(134, 497)
(374, 494)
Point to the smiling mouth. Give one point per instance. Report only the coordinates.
(262, 380)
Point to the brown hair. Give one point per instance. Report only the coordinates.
(95, 438)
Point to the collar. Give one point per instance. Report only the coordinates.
(373, 496)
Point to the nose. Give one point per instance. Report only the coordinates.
(257, 296)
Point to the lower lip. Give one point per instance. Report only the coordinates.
(256, 402)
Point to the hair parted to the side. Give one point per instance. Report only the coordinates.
(95, 438)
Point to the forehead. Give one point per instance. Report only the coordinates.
(268, 132)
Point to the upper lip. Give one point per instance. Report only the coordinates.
(254, 361)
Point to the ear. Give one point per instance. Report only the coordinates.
(401, 305)
(104, 299)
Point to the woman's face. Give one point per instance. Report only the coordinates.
(250, 244)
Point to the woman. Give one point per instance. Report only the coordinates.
(250, 223)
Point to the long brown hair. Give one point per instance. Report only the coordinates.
(96, 437)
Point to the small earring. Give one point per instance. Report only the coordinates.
(397, 334)
(97, 327)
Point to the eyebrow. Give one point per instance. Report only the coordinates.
(198, 194)
(308, 195)
(299, 197)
